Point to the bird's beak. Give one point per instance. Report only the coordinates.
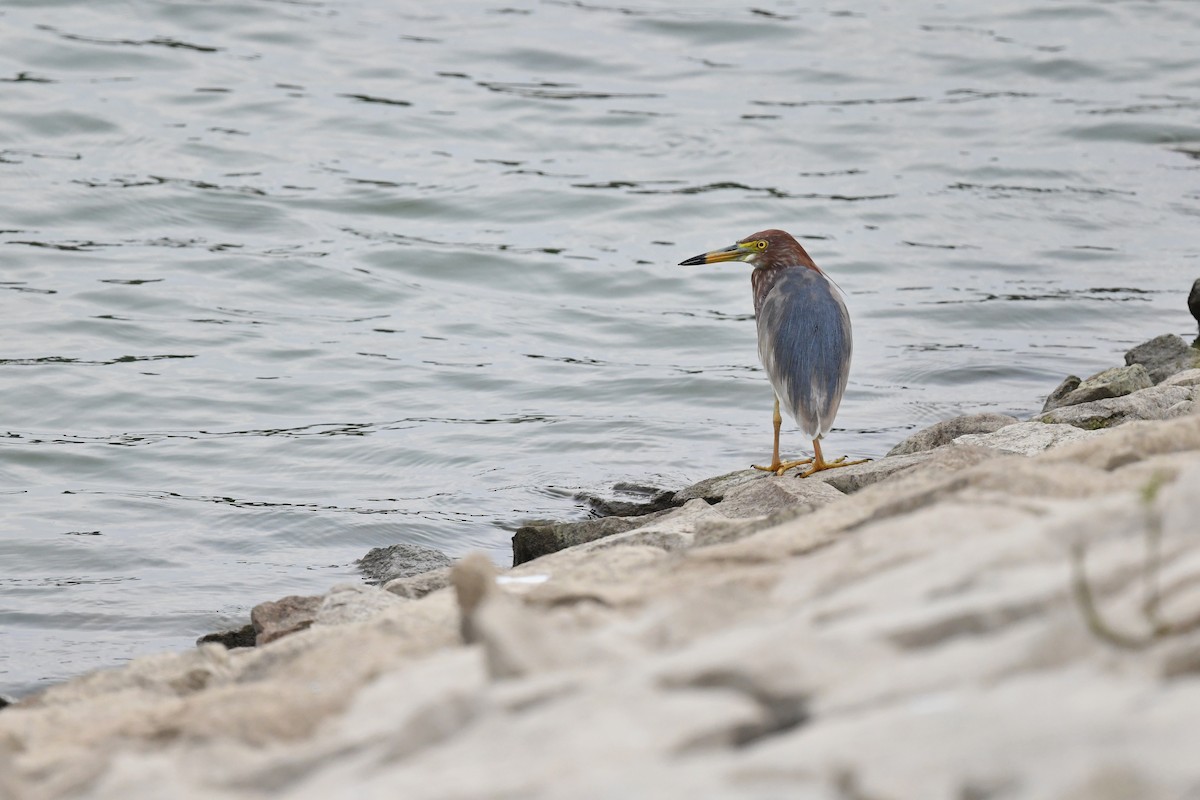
(735, 252)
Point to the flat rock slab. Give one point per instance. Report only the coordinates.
(1027, 438)
(948, 430)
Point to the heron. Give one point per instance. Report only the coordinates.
(804, 339)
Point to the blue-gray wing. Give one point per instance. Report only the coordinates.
(804, 342)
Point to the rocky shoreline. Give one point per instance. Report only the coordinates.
(997, 608)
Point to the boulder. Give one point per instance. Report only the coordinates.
(771, 494)
(1189, 377)
(674, 530)
(353, 602)
(714, 489)
(383, 564)
(1163, 356)
(539, 538)
(277, 618)
(1115, 382)
(1157, 402)
(418, 586)
(948, 430)
(1054, 399)
(632, 500)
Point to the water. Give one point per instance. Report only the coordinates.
(285, 281)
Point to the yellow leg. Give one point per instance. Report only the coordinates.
(777, 466)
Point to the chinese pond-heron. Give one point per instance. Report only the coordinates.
(803, 337)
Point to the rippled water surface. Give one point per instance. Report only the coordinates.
(285, 281)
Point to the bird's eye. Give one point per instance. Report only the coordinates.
(761, 244)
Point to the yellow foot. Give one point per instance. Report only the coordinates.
(820, 464)
(781, 467)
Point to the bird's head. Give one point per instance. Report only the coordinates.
(767, 248)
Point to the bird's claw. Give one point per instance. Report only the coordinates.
(780, 467)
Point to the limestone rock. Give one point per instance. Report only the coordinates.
(351, 602)
(1027, 438)
(715, 489)
(539, 538)
(1163, 356)
(513, 637)
(419, 585)
(762, 504)
(1154, 403)
(946, 431)
(672, 531)
(383, 564)
(1189, 377)
(1115, 382)
(975, 624)
(1069, 384)
(771, 494)
(851, 479)
(276, 618)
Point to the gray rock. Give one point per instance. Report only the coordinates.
(245, 636)
(1189, 377)
(1148, 404)
(764, 497)
(277, 618)
(5, 700)
(899, 643)
(354, 603)
(1027, 438)
(539, 538)
(1163, 356)
(1054, 400)
(852, 479)
(673, 530)
(948, 430)
(633, 500)
(383, 564)
(760, 504)
(419, 585)
(715, 489)
(1115, 382)
(720, 531)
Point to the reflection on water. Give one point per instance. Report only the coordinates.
(289, 281)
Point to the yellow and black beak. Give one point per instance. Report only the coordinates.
(735, 252)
